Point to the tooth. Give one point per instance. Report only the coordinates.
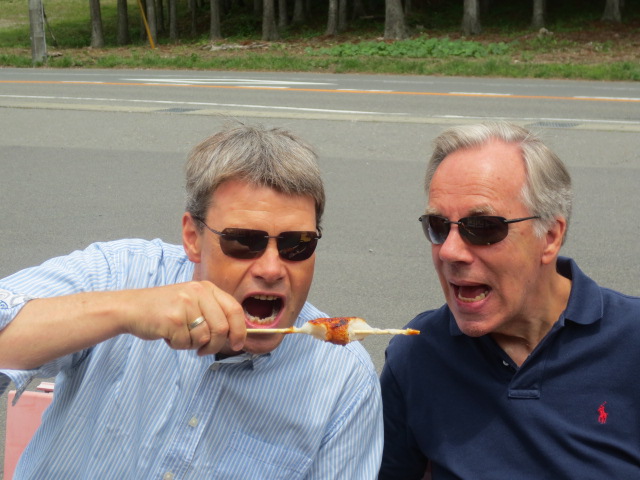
(479, 297)
(264, 321)
(265, 297)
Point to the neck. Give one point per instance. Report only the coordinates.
(524, 335)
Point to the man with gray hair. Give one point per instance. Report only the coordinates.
(157, 377)
(528, 370)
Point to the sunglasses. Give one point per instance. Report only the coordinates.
(477, 230)
(244, 243)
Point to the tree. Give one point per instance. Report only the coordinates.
(269, 29)
(358, 9)
(612, 11)
(36, 30)
(471, 17)
(160, 16)
(215, 31)
(332, 18)
(299, 15)
(283, 19)
(173, 20)
(394, 25)
(193, 10)
(123, 37)
(539, 11)
(342, 15)
(97, 37)
(151, 22)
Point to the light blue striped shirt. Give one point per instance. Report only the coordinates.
(134, 409)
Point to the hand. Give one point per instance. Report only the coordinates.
(166, 312)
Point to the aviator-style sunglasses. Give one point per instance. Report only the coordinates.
(477, 230)
(244, 243)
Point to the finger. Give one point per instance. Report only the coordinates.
(234, 314)
(200, 332)
(226, 321)
(198, 321)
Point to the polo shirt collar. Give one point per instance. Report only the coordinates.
(585, 304)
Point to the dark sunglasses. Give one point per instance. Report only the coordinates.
(244, 243)
(477, 230)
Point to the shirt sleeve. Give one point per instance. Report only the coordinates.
(401, 459)
(353, 446)
(86, 270)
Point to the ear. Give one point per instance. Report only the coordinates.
(191, 238)
(554, 238)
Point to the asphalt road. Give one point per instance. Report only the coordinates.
(91, 155)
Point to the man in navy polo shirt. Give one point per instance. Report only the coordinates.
(529, 370)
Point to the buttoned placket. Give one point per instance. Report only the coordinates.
(195, 417)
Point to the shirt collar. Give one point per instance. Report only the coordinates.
(585, 304)
(249, 360)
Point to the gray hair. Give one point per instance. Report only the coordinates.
(547, 190)
(272, 158)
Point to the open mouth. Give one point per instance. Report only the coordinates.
(262, 310)
(471, 293)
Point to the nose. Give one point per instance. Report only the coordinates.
(454, 249)
(269, 266)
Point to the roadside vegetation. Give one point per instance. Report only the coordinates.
(575, 44)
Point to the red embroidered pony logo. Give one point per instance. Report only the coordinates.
(602, 414)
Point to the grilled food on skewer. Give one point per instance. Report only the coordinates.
(338, 330)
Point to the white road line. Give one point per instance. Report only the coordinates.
(197, 104)
(223, 81)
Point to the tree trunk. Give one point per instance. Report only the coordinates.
(612, 11)
(394, 26)
(160, 16)
(269, 29)
(36, 29)
(408, 8)
(283, 19)
(332, 18)
(97, 38)
(342, 15)
(298, 13)
(358, 9)
(471, 18)
(215, 32)
(123, 37)
(151, 21)
(173, 20)
(193, 10)
(539, 13)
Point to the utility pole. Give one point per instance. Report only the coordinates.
(38, 40)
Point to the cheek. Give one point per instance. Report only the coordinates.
(301, 277)
(223, 271)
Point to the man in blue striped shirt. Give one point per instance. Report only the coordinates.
(156, 376)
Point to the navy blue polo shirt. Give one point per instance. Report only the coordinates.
(571, 411)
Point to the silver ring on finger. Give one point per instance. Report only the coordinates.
(195, 323)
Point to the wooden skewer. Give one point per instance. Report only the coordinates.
(378, 331)
(273, 330)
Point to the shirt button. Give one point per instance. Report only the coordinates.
(167, 476)
(505, 363)
(193, 422)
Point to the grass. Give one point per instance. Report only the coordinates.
(507, 48)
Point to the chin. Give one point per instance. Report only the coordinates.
(473, 328)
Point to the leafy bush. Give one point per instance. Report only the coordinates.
(421, 47)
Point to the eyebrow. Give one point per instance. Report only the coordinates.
(480, 210)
